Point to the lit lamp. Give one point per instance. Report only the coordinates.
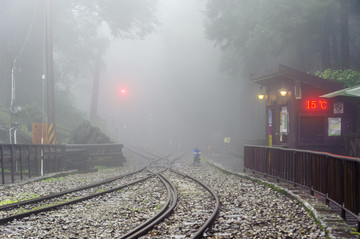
(261, 96)
(283, 92)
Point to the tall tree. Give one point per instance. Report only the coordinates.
(257, 35)
(77, 37)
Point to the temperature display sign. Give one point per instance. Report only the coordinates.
(316, 105)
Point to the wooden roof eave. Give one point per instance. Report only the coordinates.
(285, 73)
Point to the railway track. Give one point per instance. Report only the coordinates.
(197, 220)
(51, 202)
(57, 201)
(192, 218)
(25, 208)
(169, 204)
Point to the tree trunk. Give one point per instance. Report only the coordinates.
(344, 29)
(335, 52)
(325, 44)
(95, 91)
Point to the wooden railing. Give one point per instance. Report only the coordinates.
(335, 177)
(19, 161)
(352, 145)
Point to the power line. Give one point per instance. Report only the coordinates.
(29, 31)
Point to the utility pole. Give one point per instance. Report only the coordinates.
(49, 73)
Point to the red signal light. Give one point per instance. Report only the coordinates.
(123, 91)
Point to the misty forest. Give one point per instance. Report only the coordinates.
(171, 74)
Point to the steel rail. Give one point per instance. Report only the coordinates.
(161, 215)
(53, 207)
(59, 194)
(210, 221)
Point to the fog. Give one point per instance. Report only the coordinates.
(176, 97)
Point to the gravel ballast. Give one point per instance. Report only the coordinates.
(248, 209)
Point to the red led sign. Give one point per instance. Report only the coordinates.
(316, 104)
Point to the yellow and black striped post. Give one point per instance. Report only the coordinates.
(51, 134)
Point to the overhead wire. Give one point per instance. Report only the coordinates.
(29, 31)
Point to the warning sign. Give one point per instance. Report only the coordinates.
(39, 132)
(338, 108)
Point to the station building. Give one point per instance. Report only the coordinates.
(304, 111)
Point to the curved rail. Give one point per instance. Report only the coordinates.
(161, 215)
(53, 207)
(210, 221)
(59, 194)
(148, 225)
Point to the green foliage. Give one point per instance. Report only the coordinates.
(49, 180)
(23, 132)
(354, 231)
(21, 197)
(7, 201)
(256, 35)
(348, 77)
(5, 119)
(68, 118)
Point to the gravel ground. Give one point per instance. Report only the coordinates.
(193, 208)
(248, 210)
(108, 216)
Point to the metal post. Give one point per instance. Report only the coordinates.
(311, 175)
(266, 162)
(28, 159)
(21, 166)
(327, 201)
(42, 160)
(63, 150)
(12, 163)
(294, 168)
(36, 159)
(278, 166)
(327, 171)
(343, 212)
(342, 188)
(2, 165)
